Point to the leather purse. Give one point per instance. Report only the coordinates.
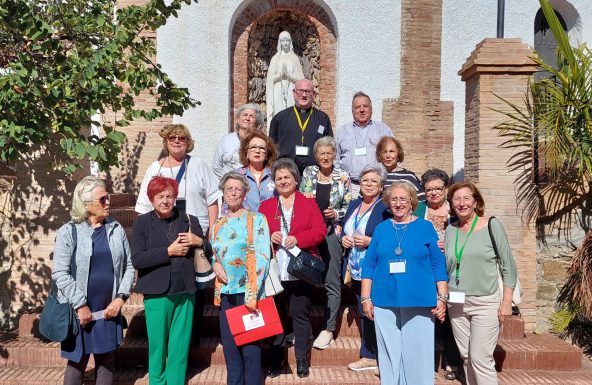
(204, 273)
(306, 267)
(58, 320)
(273, 283)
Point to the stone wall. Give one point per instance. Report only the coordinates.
(419, 118)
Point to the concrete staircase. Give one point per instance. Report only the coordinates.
(521, 359)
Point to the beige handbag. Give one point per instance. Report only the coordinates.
(204, 274)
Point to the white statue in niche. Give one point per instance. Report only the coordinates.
(284, 70)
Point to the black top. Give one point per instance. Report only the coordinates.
(157, 272)
(285, 131)
(323, 198)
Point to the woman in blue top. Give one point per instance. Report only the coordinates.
(239, 274)
(359, 222)
(404, 284)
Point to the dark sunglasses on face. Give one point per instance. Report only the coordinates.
(174, 138)
(102, 200)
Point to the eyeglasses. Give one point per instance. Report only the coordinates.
(102, 200)
(257, 149)
(434, 191)
(370, 182)
(238, 190)
(174, 138)
(402, 201)
(304, 92)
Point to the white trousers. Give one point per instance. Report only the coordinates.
(475, 325)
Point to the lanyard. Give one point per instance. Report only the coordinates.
(303, 126)
(356, 220)
(459, 253)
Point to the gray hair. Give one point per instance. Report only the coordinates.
(258, 114)
(434, 174)
(234, 175)
(360, 94)
(378, 170)
(325, 141)
(408, 187)
(285, 164)
(82, 195)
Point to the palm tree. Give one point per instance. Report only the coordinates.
(552, 132)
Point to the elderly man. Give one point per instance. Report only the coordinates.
(248, 117)
(356, 141)
(297, 128)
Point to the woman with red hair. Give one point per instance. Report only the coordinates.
(163, 245)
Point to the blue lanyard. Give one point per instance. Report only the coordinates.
(356, 220)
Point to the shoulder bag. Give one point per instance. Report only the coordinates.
(304, 266)
(204, 273)
(58, 320)
(517, 295)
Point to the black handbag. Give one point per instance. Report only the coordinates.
(304, 266)
(307, 268)
(58, 320)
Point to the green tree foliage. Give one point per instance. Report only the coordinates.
(64, 61)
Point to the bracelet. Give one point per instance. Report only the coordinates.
(363, 298)
(443, 297)
(366, 300)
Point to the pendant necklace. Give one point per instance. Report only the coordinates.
(398, 249)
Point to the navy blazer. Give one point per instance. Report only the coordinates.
(379, 214)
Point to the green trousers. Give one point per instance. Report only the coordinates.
(168, 323)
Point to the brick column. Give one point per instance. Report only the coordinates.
(499, 67)
(419, 118)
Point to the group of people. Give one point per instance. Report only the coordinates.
(418, 253)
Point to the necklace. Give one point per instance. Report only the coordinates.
(235, 214)
(398, 249)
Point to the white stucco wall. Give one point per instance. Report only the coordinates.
(468, 22)
(195, 51)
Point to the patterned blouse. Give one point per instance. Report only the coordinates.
(340, 194)
(229, 243)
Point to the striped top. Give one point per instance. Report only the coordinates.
(407, 176)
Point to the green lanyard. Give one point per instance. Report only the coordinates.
(460, 253)
(303, 126)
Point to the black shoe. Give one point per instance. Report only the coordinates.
(274, 371)
(302, 367)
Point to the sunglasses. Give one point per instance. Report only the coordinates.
(175, 138)
(102, 200)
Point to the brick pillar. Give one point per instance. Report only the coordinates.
(419, 118)
(499, 67)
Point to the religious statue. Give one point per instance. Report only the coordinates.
(284, 70)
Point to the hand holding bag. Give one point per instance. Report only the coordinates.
(58, 320)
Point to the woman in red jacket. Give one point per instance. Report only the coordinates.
(295, 223)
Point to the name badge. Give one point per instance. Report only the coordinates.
(301, 151)
(397, 267)
(456, 297)
(360, 151)
(98, 315)
(321, 130)
(253, 321)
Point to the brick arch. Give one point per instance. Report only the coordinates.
(244, 19)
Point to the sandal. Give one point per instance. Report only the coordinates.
(449, 375)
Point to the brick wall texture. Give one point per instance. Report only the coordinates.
(499, 67)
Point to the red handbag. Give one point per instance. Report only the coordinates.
(247, 327)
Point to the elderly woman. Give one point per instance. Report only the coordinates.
(163, 246)
(437, 211)
(475, 306)
(257, 153)
(239, 275)
(330, 186)
(227, 156)
(359, 222)
(93, 272)
(404, 283)
(389, 152)
(198, 187)
(295, 223)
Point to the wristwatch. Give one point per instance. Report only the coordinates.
(122, 296)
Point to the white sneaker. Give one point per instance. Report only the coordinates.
(363, 364)
(323, 341)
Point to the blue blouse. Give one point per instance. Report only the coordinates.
(257, 194)
(424, 265)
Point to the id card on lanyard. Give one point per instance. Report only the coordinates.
(459, 297)
(302, 150)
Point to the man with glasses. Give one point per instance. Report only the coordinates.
(297, 128)
(356, 141)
